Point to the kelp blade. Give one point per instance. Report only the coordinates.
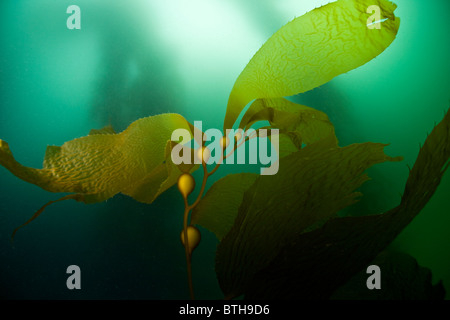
(302, 124)
(316, 263)
(311, 186)
(217, 210)
(311, 50)
(102, 164)
(415, 282)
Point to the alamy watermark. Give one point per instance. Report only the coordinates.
(249, 147)
(374, 21)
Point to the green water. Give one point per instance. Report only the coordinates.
(132, 59)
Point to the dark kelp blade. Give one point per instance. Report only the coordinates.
(218, 209)
(402, 278)
(311, 186)
(316, 263)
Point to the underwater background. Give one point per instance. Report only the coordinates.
(133, 59)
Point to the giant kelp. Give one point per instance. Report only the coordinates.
(301, 124)
(311, 50)
(278, 234)
(312, 185)
(96, 167)
(102, 164)
(301, 267)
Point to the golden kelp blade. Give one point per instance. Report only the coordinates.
(98, 166)
(105, 130)
(302, 123)
(311, 50)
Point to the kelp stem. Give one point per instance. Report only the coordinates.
(230, 153)
(214, 170)
(202, 189)
(186, 249)
(188, 208)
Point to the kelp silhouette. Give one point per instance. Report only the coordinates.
(278, 234)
